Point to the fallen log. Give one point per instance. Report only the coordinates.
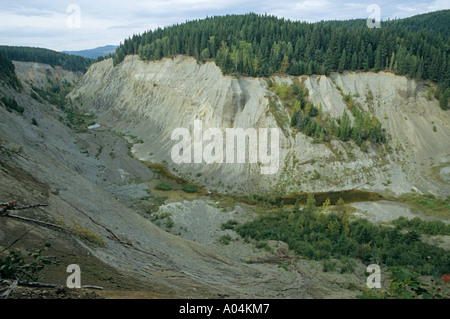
(9, 290)
(7, 206)
(44, 285)
(38, 222)
(29, 206)
(12, 205)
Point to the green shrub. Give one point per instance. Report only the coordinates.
(316, 175)
(26, 267)
(404, 284)
(11, 104)
(347, 266)
(328, 265)
(163, 187)
(321, 236)
(231, 224)
(169, 222)
(190, 188)
(225, 239)
(264, 245)
(434, 227)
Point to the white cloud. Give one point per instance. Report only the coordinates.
(44, 22)
(439, 5)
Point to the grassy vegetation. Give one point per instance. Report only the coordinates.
(420, 226)
(309, 119)
(190, 188)
(11, 151)
(427, 203)
(231, 224)
(55, 94)
(163, 187)
(79, 231)
(87, 235)
(26, 267)
(11, 104)
(225, 239)
(404, 284)
(7, 72)
(77, 120)
(163, 216)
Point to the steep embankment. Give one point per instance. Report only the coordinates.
(151, 99)
(117, 248)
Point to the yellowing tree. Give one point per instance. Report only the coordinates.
(284, 64)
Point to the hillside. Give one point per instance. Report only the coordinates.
(117, 225)
(362, 174)
(261, 45)
(94, 53)
(29, 54)
(135, 90)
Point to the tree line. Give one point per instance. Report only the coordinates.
(28, 54)
(7, 72)
(262, 45)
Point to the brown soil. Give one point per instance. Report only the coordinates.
(66, 293)
(53, 293)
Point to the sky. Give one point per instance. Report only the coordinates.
(67, 25)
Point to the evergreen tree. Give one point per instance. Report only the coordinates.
(262, 45)
(342, 61)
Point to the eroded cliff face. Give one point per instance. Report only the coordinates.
(83, 177)
(150, 100)
(50, 164)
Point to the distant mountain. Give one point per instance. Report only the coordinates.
(95, 53)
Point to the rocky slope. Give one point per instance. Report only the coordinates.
(116, 247)
(151, 99)
(96, 191)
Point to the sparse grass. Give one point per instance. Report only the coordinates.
(157, 219)
(163, 187)
(264, 246)
(427, 203)
(328, 265)
(190, 188)
(11, 104)
(226, 202)
(231, 224)
(285, 265)
(11, 151)
(99, 151)
(87, 235)
(225, 239)
(78, 120)
(316, 175)
(79, 231)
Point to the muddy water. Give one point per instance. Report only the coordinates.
(348, 196)
(166, 175)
